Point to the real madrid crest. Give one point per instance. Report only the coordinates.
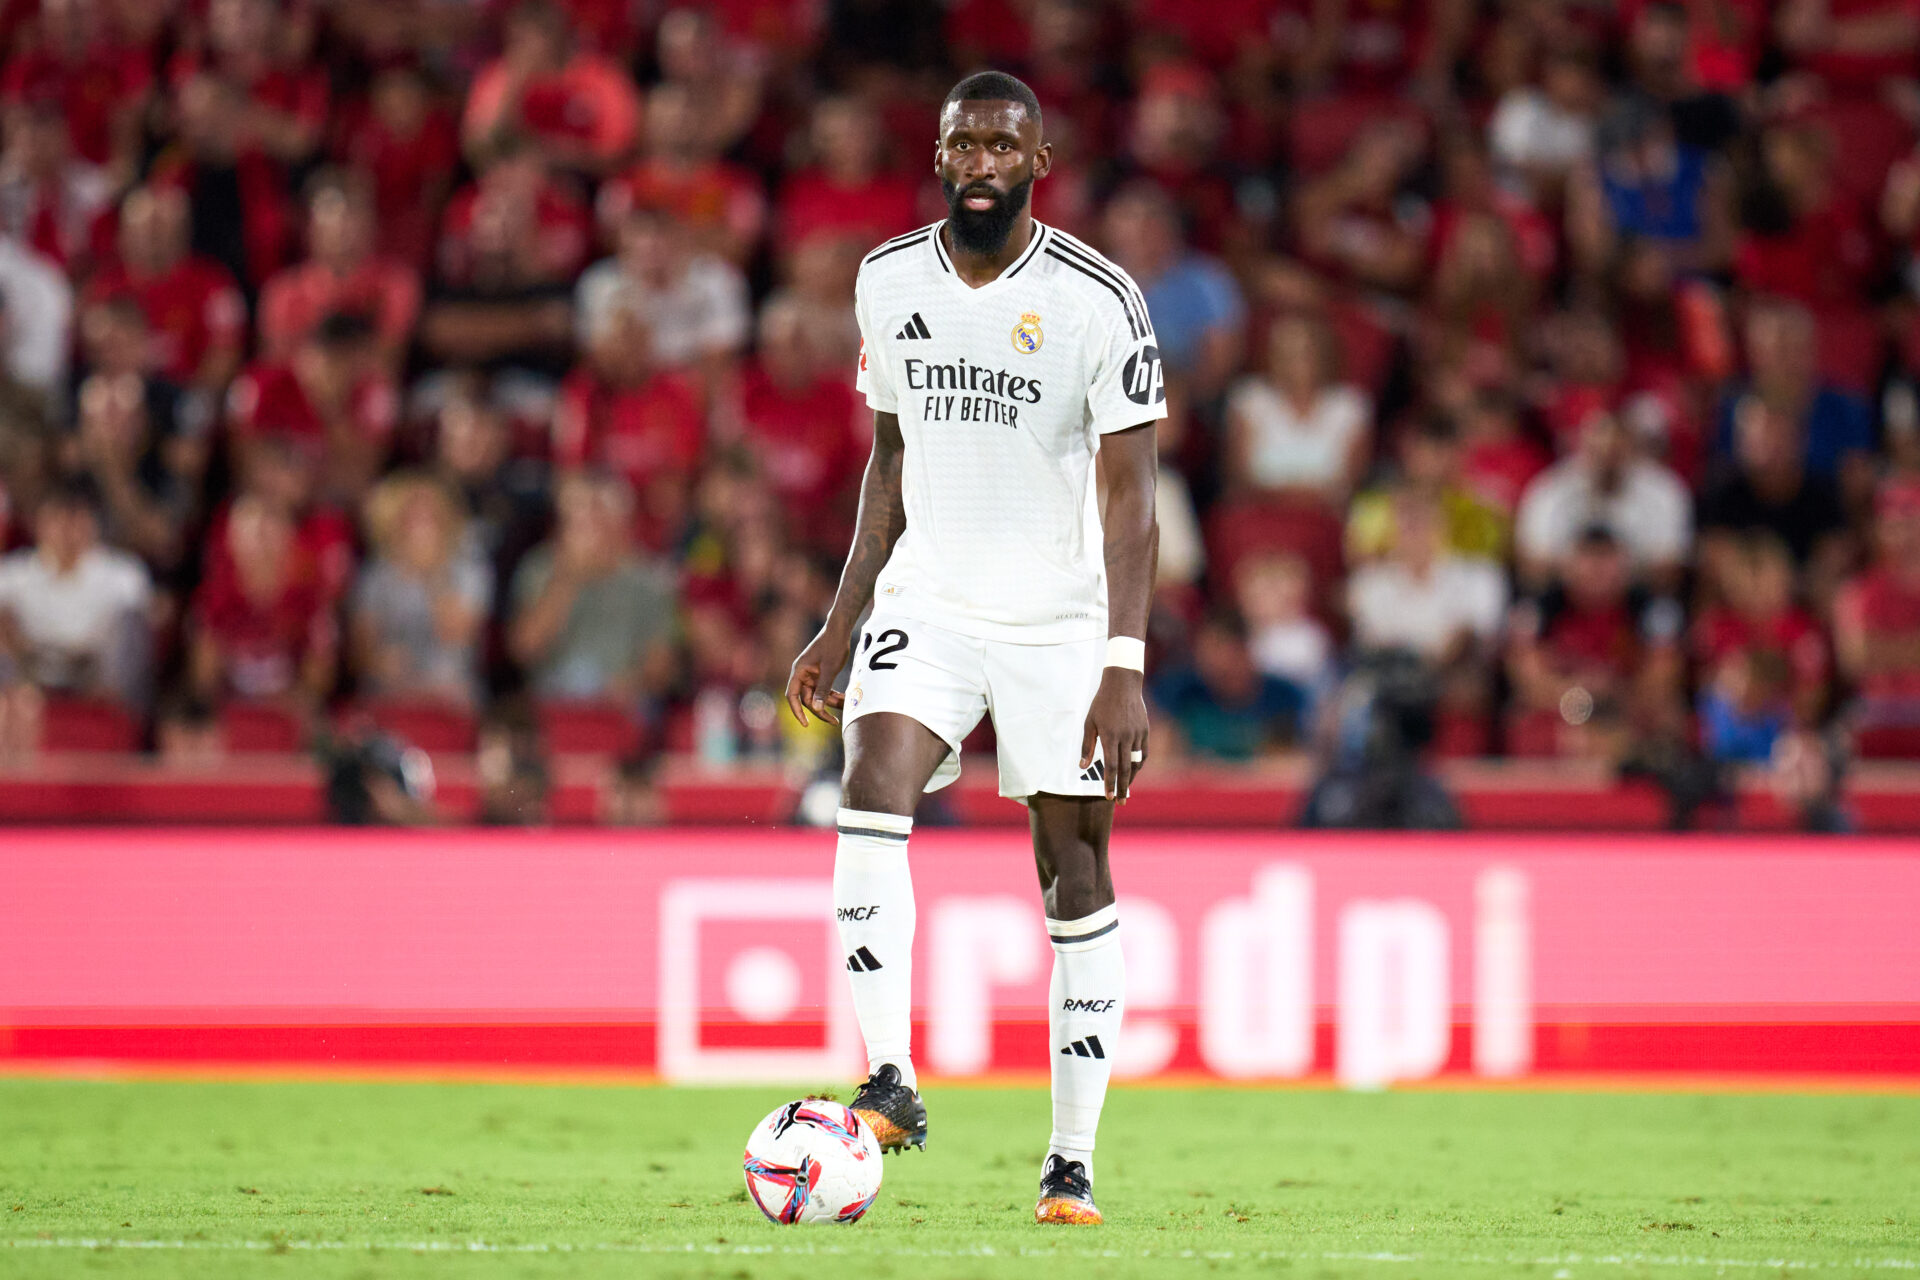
(1026, 335)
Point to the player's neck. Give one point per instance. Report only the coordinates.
(977, 269)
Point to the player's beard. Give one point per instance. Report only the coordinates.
(983, 232)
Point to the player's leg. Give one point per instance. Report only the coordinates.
(1040, 697)
(910, 700)
(1087, 995)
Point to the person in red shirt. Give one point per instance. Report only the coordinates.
(1876, 627)
(1758, 615)
(1852, 45)
(408, 147)
(287, 104)
(262, 628)
(721, 204)
(846, 190)
(193, 308)
(1814, 244)
(241, 215)
(514, 200)
(618, 412)
(50, 199)
(101, 85)
(342, 275)
(578, 106)
(330, 397)
(801, 425)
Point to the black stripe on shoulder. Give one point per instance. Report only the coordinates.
(1136, 304)
(940, 250)
(1104, 282)
(1033, 251)
(878, 254)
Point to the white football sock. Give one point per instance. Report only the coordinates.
(873, 905)
(1085, 1002)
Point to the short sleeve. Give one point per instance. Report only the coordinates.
(1128, 385)
(871, 379)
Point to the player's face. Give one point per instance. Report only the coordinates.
(988, 156)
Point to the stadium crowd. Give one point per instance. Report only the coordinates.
(490, 364)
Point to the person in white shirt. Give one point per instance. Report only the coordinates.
(74, 617)
(1543, 133)
(695, 304)
(1296, 429)
(1007, 364)
(36, 318)
(1605, 482)
(1422, 598)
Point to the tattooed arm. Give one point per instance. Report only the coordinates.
(883, 517)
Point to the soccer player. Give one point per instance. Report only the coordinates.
(1002, 358)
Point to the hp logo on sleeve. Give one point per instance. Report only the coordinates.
(1141, 377)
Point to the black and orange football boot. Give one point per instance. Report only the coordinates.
(1066, 1194)
(892, 1110)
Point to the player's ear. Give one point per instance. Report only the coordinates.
(1043, 160)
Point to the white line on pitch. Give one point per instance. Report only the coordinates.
(985, 1251)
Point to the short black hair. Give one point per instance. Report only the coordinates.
(993, 86)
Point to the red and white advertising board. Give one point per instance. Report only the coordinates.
(711, 955)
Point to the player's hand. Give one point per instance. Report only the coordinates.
(1118, 718)
(810, 685)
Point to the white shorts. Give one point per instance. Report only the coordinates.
(1038, 695)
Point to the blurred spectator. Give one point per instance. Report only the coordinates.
(256, 46)
(1198, 317)
(590, 618)
(100, 84)
(1222, 706)
(1649, 184)
(1180, 553)
(341, 276)
(419, 607)
(617, 411)
(1765, 485)
(36, 318)
(509, 246)
(721, 205)
(50, 199)
(577, 105)
(1354, 222)
(1296, 431)
(724, 77)
(511, 766)
(1836, 429)
(1499, 460)
(1761, 659)
(1688, 61)
(330, 399)
(242, 217)
(405, 144)
(1542, 132)
(804, 427)
(262, 626)
(507, 497)
(195, 316)
(74, 618)
(1850, 44)
(1430, 466)
(143, 461)
(1643, 506)
(1174, 142)
(1805, 239)
(1274, 592)
(1876, 627)
(693, 305)
(846, 190)
(1593, 659)
(1425, 598)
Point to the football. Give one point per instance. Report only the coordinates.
(812, 1161)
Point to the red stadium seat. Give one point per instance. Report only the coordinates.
(1241, 529)
(1889, 742)
(587, 728)
(431, 726)
(87, 724)
(259, 728)
(1852, 349)
(1864, 137)
(1458, 735)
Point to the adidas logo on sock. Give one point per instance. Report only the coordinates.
(916, 328)
(1088, 1048)
(1096, 772)
(862, 961)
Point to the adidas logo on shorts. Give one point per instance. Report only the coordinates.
(1096, 772)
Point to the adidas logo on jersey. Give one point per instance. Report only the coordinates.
(915, 328)
(862, 961)
(1088, 1048)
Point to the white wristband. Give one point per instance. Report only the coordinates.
(1125, 651)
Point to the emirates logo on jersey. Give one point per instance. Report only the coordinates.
(1026, 335)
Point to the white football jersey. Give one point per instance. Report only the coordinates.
(1002, 394)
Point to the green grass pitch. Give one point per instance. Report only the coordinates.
(104, 1178)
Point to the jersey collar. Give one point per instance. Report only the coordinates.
(1041, 233)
